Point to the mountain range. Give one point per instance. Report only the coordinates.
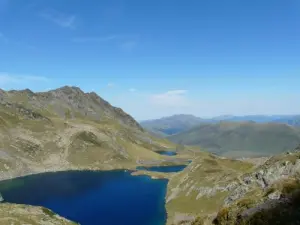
(241, 139)
(181, 122)
(172, 124)
(234, 136)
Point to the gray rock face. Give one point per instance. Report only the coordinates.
(269, 204)
(266, 205)
(274, 195)
(263, 178)
(238, 193)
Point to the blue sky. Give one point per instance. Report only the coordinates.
(157, 58)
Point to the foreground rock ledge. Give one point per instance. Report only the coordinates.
(25, 214)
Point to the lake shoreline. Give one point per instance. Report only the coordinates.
(7, 176)
(52, 174)
(130, 168)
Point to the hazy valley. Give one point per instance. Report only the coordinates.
(247, 136)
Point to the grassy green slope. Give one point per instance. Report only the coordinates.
(201, 188)
(236, 190)
(241, 139)
(69, 129)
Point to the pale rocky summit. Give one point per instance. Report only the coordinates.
(68, 129)
(67, 102)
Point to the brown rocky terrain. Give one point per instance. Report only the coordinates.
(222, 191)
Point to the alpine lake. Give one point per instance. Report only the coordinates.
(95, 197)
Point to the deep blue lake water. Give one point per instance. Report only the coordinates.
(93, 198)
(165, 169)
(168, 153)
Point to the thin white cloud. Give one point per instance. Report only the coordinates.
(3, 38)
(8, 79)
(132, 90)
(176, 92)
(172, 98)
(110, 85)
(10, 41)
(59, 18)
(129, 45)
(94, 39)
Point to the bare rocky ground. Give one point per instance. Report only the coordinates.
(222, 191)
(24, 214)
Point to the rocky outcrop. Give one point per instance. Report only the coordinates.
(22, 214)
(266, 175)
(242, 193)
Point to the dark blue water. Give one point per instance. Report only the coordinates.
(168, 153)
(164, 169)
(92, 198)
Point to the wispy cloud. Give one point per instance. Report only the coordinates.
(132, 90)
(3, 38)
(94, 39)
(59, 18)
(8, 79)
(125, 42)
(110, 85)
(172, 98)
(176, 92)
(10, 41)
(129, 45)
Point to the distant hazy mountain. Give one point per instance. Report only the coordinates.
(241, 138)
(287, 119)
(171, 125)
(178, 123)
(291, 120)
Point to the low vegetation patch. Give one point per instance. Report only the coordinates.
(246, 203)
(48, 212)
(198, 221)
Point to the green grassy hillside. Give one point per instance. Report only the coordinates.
(69, 129)
(220, 191)
(241, 138)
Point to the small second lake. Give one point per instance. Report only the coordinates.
(168, 153)
(164, 169)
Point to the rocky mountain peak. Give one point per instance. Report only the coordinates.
(93, 95)
(24, 91)
(68, 90)
(69, 102)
